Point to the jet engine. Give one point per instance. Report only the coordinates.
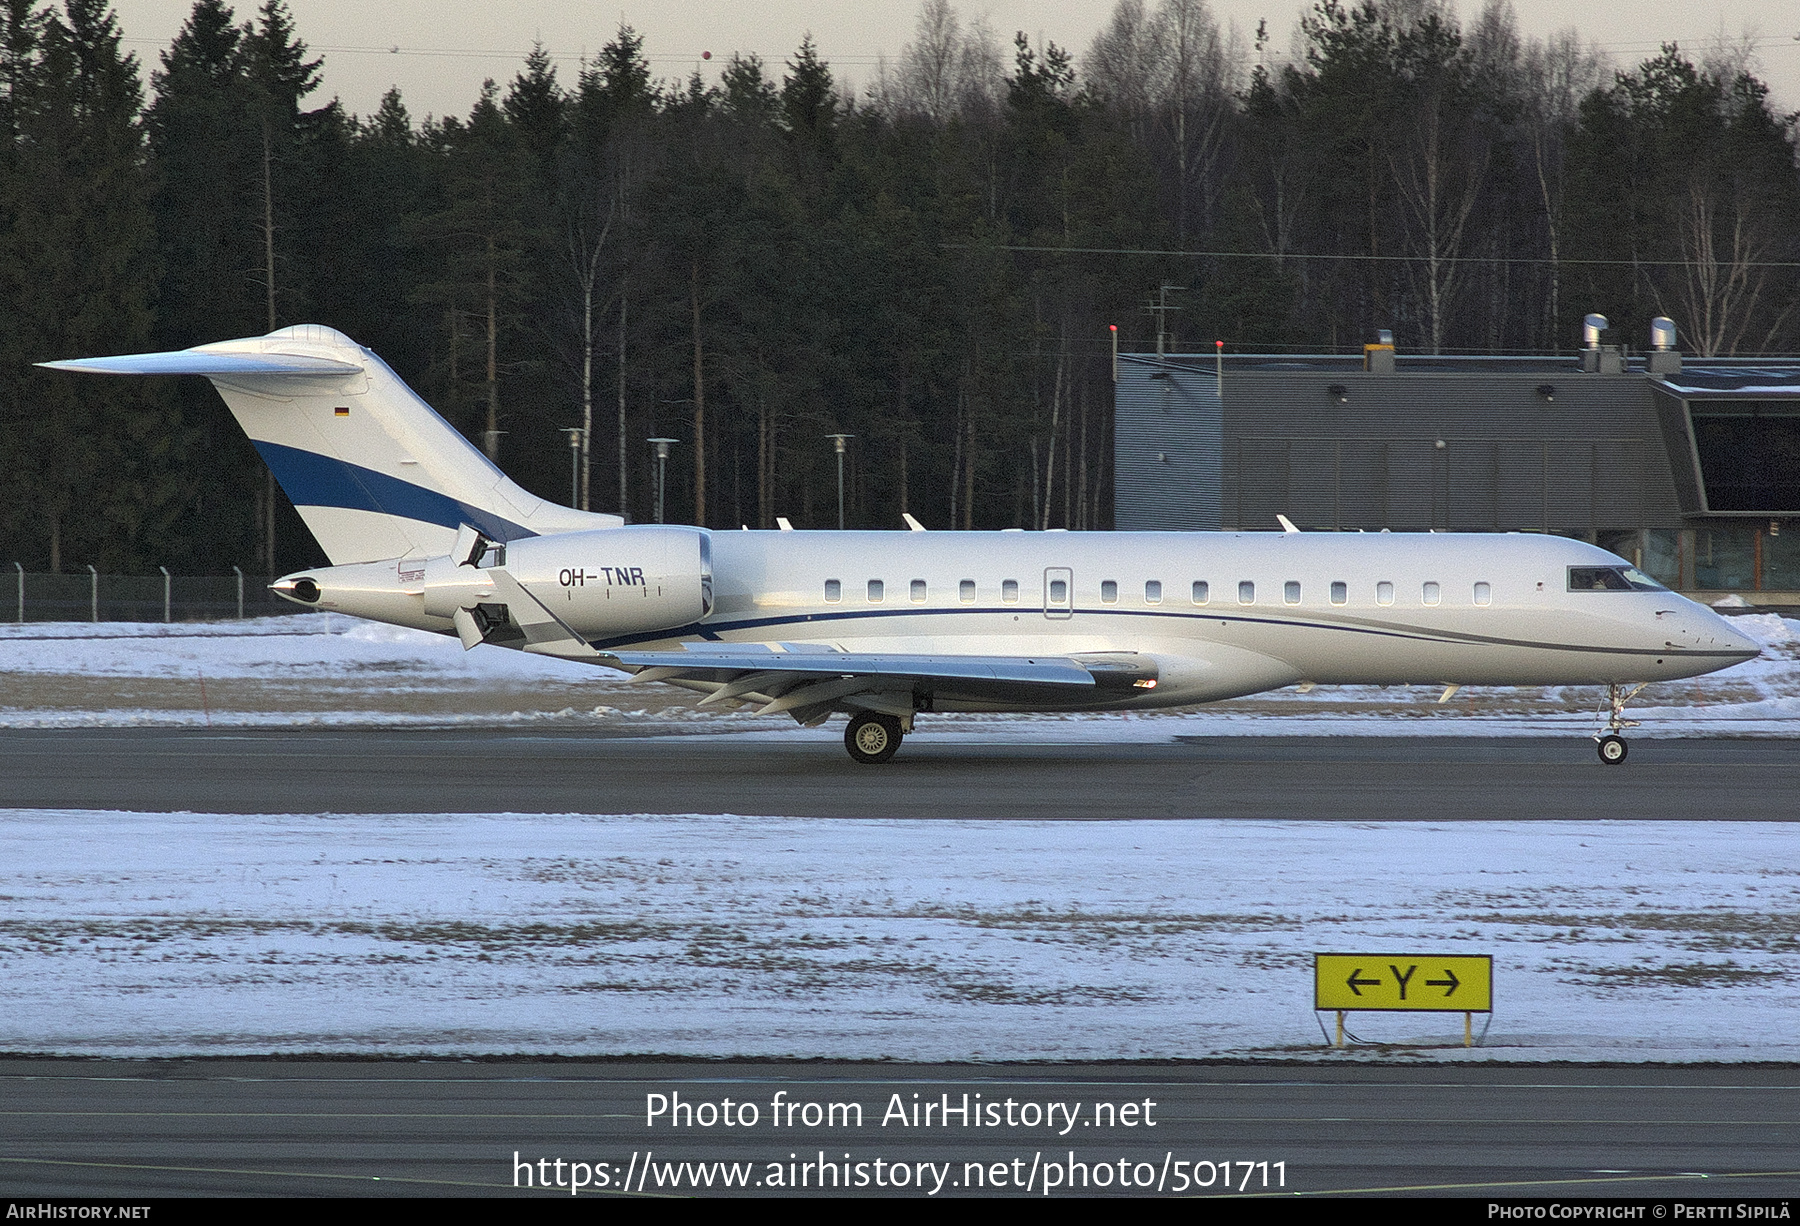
(614, 581)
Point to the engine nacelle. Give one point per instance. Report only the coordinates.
(615, 581)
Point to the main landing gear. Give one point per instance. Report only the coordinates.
(1611, 744)
(873, 738)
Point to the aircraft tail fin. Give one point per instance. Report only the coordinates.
(372, 468)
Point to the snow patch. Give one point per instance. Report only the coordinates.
(712, 935)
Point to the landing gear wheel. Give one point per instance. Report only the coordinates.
(872, 738)
(1612, 745)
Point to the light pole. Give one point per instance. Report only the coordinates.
(662, 446)
(576, 435)
(839, 440)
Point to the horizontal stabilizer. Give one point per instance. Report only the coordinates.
(200, 362)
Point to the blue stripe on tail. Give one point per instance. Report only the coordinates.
(313, 480)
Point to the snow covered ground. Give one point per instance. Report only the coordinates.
(147, 934)
(276, 671)
(133, 933)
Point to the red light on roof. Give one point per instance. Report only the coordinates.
(1114, 327)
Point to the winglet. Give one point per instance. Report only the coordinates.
(1287, 525)
(911, 523)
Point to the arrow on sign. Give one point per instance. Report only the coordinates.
(1449, 985)
(1353, 981)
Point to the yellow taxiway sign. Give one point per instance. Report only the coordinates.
(1461, 983)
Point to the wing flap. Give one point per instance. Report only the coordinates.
(722, 666)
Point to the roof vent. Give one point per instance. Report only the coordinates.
(1378, 358)
(1591, 328)
(1665, 359)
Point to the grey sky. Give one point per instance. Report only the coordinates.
(446, 47)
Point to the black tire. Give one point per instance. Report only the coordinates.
(1612, 749)
(872, 739)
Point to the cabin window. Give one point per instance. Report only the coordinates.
(1009, 591)
(1202, 592)
(1290, 591)
(1153, 591)
(1384, 592)
(1484, 594)
(1431, 592)
(1246, 592)
(875, 591)
(1340, 592)
(1059, 591)
(918, 591)
(965, 591)
(1109, 591)
(834, 591)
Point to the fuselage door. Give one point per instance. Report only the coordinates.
(1059, 592)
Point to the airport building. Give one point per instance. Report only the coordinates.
(1688, 467)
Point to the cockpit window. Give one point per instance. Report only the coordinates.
(1611, 579)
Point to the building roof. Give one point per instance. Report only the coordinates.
(1702, 376)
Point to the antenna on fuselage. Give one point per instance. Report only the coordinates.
(1287, 525)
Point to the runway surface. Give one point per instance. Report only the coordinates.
(122, 1128)
(1358, 779)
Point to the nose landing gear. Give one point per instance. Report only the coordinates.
(1610, 743)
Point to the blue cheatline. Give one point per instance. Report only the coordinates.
(313, 480)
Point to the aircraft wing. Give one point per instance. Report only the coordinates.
(809, 682)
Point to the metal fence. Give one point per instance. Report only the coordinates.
(39, 597)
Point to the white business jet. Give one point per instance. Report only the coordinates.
(423, 531)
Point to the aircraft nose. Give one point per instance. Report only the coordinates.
(1739, 641)
(1728, 637)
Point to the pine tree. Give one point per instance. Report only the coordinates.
(480, 237)
(612, 157)
(1687, 180)
(279, 76)
(207, 151)
(78, 257)
(538, 110)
